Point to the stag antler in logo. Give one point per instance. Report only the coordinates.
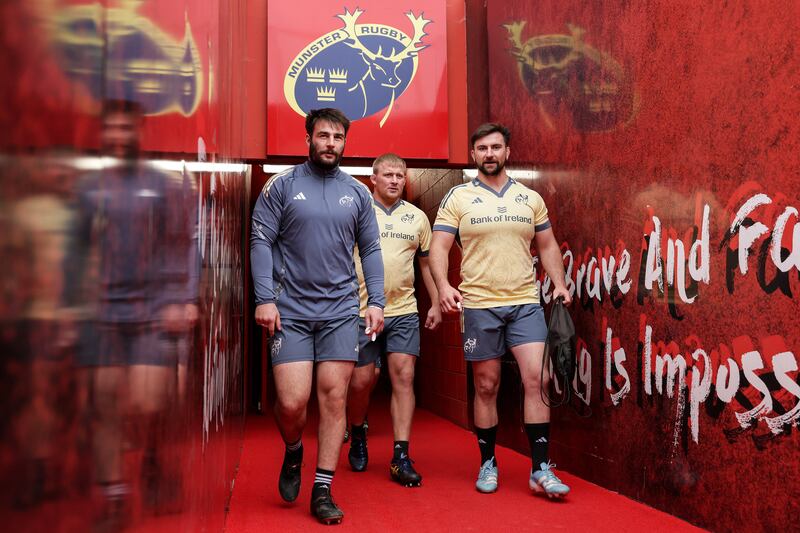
(383, 59)
(381, 68)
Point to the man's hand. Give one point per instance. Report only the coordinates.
(267, 316)
(450, 300)
(434, 317)
(177, 318)
(564, 293)
(374, 322)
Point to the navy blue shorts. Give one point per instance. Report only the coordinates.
(489, 333)
(125, 344)
(315, 340)
(400, 335)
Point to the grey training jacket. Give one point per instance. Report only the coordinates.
(306, 223)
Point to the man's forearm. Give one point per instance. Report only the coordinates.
(553, 264)
(438, 267)
(427, 279)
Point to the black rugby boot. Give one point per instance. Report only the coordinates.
(358, 456)
(323, 507)
(289, 480)
(403, 472)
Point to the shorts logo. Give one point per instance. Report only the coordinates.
(407, 218)
(276, 346)
(346, 201)
(521, 198)
(358, 68)
(501, 209)
(470, 345)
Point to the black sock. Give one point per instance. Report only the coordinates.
(400, 449)
(322, 480)
(358, 432)
(486, 438)
(539, 439)
(294, 452)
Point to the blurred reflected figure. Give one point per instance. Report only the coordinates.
(36, 225)
(131, 289)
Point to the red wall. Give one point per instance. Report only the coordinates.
(643, 117)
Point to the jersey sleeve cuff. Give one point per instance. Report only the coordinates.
(543, 226)
(448, 229)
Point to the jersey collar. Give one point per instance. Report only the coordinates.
(389, 211)
(314, 170)
(478, 183)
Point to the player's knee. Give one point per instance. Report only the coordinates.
(360, 383)
(533, 382)
(486, 386)
(291, 407)
(403, 378)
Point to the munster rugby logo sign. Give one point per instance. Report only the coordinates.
(118, 53)
(566, 75)
(361, 69)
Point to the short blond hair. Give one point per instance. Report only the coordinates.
(388, 159)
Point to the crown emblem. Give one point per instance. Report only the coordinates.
(337, 75)
(315, 75)
(326, 94)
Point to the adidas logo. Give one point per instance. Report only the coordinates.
(481, 441)
(477, 201)
(300, 196)
(542, 439)
(396, 446)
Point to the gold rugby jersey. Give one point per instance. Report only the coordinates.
(495, 231)
(405, 232)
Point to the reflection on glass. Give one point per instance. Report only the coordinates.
(121, 296)
(131, 303)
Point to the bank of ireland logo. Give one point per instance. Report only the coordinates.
(361, 69)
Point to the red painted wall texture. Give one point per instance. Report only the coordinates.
(666, 144)
(667, 140)
(441, 375)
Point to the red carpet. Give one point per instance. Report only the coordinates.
(447, 457)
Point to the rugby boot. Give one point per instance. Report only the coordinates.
(289, 480)
(545, 481)
(323, 507)
(358, 454)
(487, 477)
(403, 472)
